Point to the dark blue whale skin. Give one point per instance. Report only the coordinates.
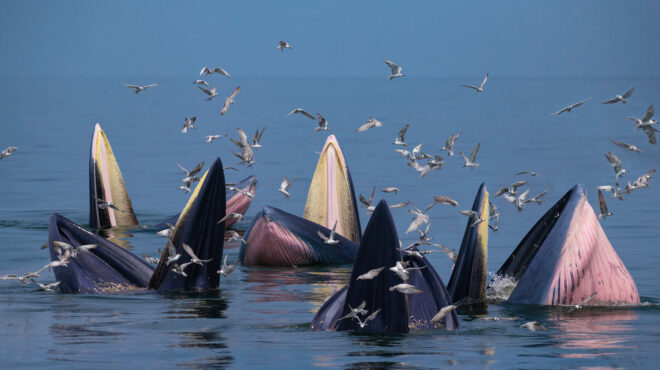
(91, 272)
(248, 181)
(306, 231)
(469, 277)
(197, 226)
(398, 312)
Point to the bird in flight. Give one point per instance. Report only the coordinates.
(480, 88)
(283, 45)
(570, 107)
(620, 98)
(395, 69)
(139, 89)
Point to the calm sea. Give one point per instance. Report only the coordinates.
(260, 316)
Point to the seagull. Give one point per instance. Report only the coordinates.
(620, 98)
(237, 216)
(470, 162)
(200, 82)
(301, 111)
(371, 122)
(395, 69)
(533, 326)
(139, 89)
(401, 136)
(570, 107)
(244, 192)
(628, 147)
(646, 120)
(512, 189)
(207, 71)
(283, 45)
(235, 237)
(230, 100)
(247, 155)
(391, 189)
(399, 205)
(368, 203)
(419, 218)
(7, 152)
(370, 274)
(189, 123)
(191, 175)
(494, 213)
(47, 287)
(354, 312)
(616, 164)
(323, 123)
(581, 304)
(529, 172)
(449, 144)
(443, 199)
(186, 189)
(473, 215)
(285, 185)
(173, 256)
(179, 269)
(225, 270)
(642, 181)
(150, 259)
(212, 93)
(444, 311)
(616, 191)
(401, 269)
(193, 257)
(103, 204)
(481, 87)
(406, 289)
(257, 137)
(650, 133)
(82, 248)
(369, 318)
(602, 204)
(211, 138)
(329, 239)
(537, 199)
(519, 201)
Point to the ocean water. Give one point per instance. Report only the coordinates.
(260, 317)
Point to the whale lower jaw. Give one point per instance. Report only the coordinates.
(566, 258)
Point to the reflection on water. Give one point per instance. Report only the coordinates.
(209, 305)
(118, 235)
(595, 330)
(281, 284)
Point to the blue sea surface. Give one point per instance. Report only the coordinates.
(260, 317)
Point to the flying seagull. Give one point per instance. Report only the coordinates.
(449, 144)
(570, 107)
(470, 162)
(208, 71)
(629, 147)
(620, 98)
(481, 87)
(602, 204)
(401, 136)
(395, 69)
(371, 122)
(283, 45)
(7, 152)
(230, 100)
(139, 89)
(323, 123)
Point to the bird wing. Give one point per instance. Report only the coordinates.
(580, 103)
(623, 145)
(233, 95)
(189, 250)
(292, 181)
(152, 85)
(205, 70)
(649, 113)
(206, 91)
(484, 81)
(372, 316)
(221, 71)
(364, 201)
(181, 167)
(402, 133)
(473, 156)
(452, 139)
(611, 101)
(523, 196)
(225, 107)
(369, 124)
(393, 66)
(320, 234)
(242, 136)
(602, 203)
(197, 168)
(614, 161)
(561, 111)
(171, 249)
(471, 87)
(629, 93)
(306, 114)
(650, 133)
(371, 197)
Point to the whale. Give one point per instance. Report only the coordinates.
(278, 238)
(399, 312)
(108, 268)
(198, 227)
(566, 258)
(469, 279)
(106, 184)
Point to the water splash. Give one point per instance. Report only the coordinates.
(500, 287)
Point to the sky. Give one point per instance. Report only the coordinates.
(330, 38)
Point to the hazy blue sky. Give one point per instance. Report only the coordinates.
(331, 38)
